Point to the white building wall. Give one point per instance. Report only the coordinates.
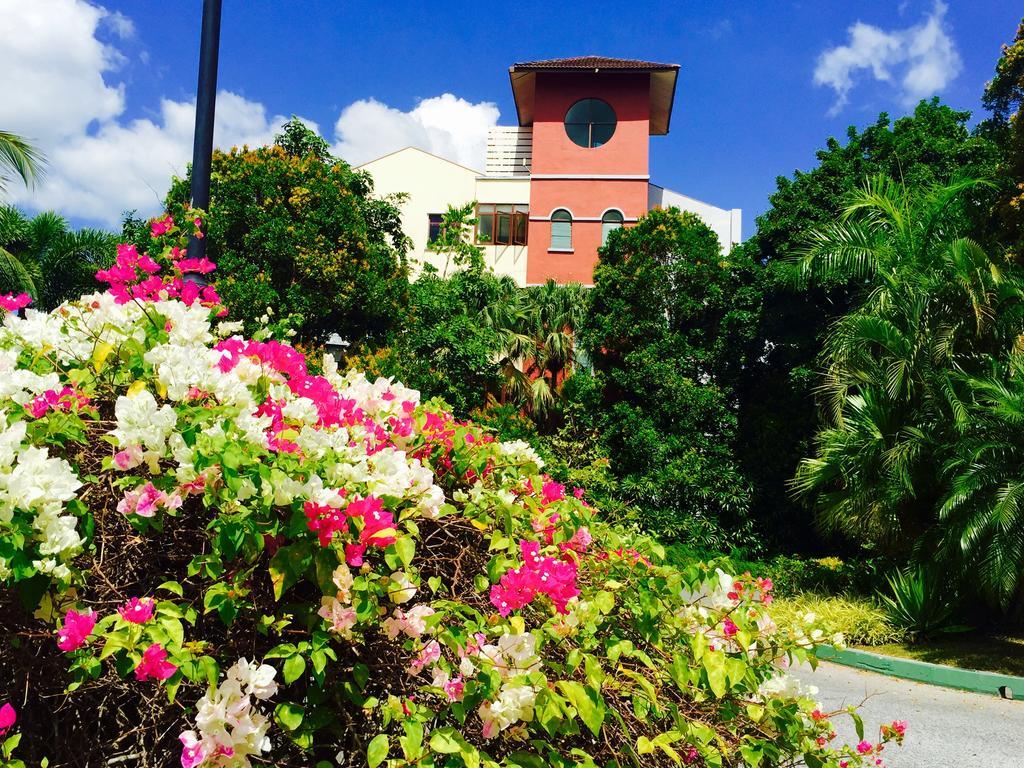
(505, 259)
(725, 223)
(433, 183)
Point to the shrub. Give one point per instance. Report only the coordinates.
(922, 602)
(860, 620)
(252, 562)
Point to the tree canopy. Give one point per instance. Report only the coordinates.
(300, 232)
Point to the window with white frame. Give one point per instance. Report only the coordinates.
(561, 230)
(611, 220)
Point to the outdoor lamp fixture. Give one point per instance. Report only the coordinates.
(206, 102)
(335, 346)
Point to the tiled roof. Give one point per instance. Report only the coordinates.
(592, 62)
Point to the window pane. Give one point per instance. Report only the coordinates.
(561, 215)
(606, 229)
(504, 235)
(485, 228)
(434, 227)
(561, 234)
(519, 225)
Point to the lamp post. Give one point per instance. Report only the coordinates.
(206, 103)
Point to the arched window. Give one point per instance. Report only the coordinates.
(561, 230)
(612, 219)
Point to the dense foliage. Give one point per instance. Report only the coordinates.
(1004, 96)
(777, 394)
(669, 322)
(901, 400)
(300, 232)
(43, 257)
(223, 555)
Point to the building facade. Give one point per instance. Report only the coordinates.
(574, 168)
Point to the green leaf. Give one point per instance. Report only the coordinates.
(589, 704)
(406, 549)
(714, 666)
(377, 751)
(445, 741)
(412, 742)
(172, 587)
(288, 565)
(294, 666)
(289, 715)
(858, 724)
(752, 754)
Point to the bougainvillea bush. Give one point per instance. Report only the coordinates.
(215, 553)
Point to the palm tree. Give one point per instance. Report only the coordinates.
(44, 258)
(891, 366)
(19, 158)
(982, 516)
(537, 329)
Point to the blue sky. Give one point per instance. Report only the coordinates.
(747, 105)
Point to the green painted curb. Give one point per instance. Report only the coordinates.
(923, 671)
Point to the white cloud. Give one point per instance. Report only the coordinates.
(128, 166)
(918, 62)
(63, 56)
(445, 125)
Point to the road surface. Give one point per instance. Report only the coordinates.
(946, 728)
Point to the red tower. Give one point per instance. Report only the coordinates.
(591, 118)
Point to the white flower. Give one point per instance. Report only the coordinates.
(401, 589)
(256, 679)
(520, 452)
(514, 703)
(141, 422)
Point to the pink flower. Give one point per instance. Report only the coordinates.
(13, 303)
(8, 717)
(154, 664)
(77, 627)
(354, 554)
(192, 751)
(430, 653)
(454, 689)
(899, 727)
(145, 501)
(865, 747)
(552, 492)
(729, 628)
(161, 226)
(137, 611)
(128, 457)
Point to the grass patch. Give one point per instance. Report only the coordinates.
(989, 653)
(860, 620)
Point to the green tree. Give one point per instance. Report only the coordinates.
(935, 304)
(304, 235)
(442, 346)
(1004, 96)
(537, 330)
(982, 512)
(454, 239)
(669, 321)
(777, 392)
(19, 158)
(43, 257)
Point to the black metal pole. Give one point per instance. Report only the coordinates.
(206, 103)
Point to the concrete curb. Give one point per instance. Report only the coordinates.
(924, 672)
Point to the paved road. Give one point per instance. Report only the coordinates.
(946, 728)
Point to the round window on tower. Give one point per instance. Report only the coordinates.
(590, 122)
